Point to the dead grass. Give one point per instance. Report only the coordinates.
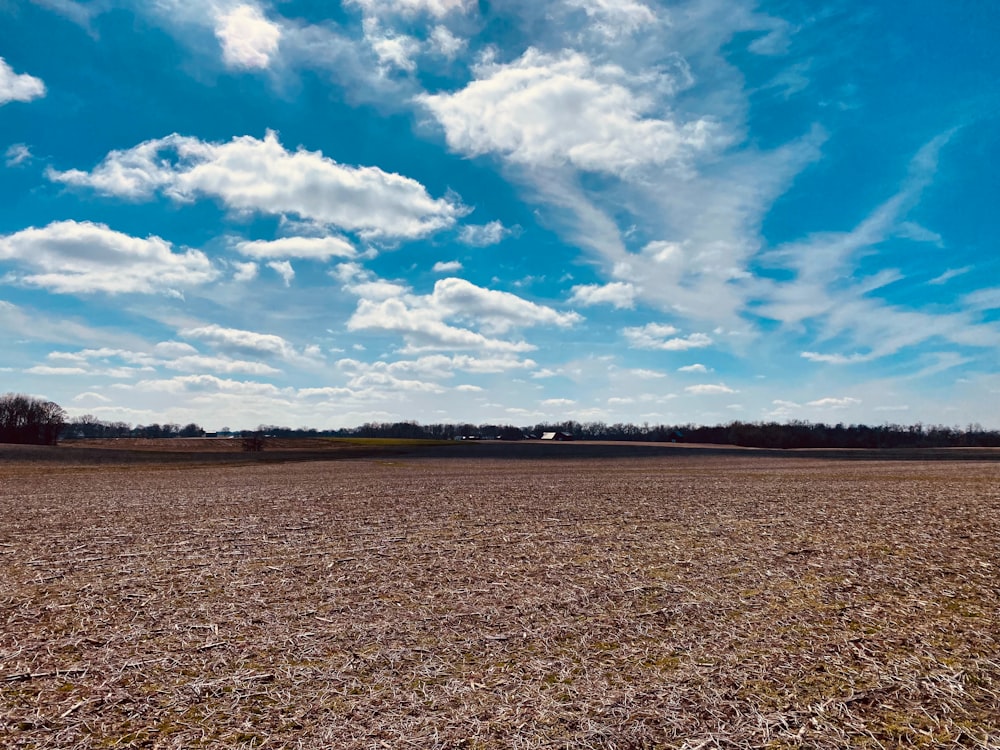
(646, 603)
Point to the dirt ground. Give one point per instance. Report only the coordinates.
(676, 601)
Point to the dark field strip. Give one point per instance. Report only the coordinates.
(676, 602)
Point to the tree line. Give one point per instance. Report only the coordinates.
(794, 434)
(25, 419)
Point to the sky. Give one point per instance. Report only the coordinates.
(321, 214)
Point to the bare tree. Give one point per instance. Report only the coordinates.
(25, 419)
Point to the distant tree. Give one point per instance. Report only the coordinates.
(191, 430)
(24, 419)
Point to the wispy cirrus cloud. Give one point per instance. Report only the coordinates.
(17, 154)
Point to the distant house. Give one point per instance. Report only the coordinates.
(556, 436)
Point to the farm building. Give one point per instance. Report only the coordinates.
(556, 436)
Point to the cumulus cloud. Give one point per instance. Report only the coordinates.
(244, 271)
(244, 342)
(618, 294)
(248, 39)
(74, 257)
(428, 322)
(261, 176)
(551, 110)
(496, 311)
(449, 266)
(693, 368)
(171, 355)
(834, 403)
(424, 328)
(363, 283)
(709, 389)
(661, 336)
(310, 248)
(558, 402)
(209, 384)
(483, 235)
(18, 87)
(92, 396)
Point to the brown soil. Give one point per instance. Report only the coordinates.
(684, 601)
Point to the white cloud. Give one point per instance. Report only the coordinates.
(248, 174)
(173, 349)
(983, 299)
(284, 269)
(92, 396)
(434, 8)
(647, 374)
(558, 402)
(16, 87)
(445, 43)
(423, 328)
(243, 341)
(172, 355)
(551, 110)
(244, 271)
(708, 389)
(248, 39)
(423, 320)
(496, 311)
(48, 370)
(17, 154)
(450, 266)
(661, 336)
(836, 359)
(311, 248)
(392, 50)
(950, 274)
(208, 384)
(850, 311)
(619, 294)
(439, 366)
(613, 18)
(834, 403)
(693, 368)
(483, 235)
(74, 257)
(363, 283)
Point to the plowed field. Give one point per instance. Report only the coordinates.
(672, 602)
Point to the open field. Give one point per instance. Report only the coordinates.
(674, 601)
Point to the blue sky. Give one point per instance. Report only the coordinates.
(317, 214)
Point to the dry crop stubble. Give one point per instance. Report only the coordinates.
(675, 602)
